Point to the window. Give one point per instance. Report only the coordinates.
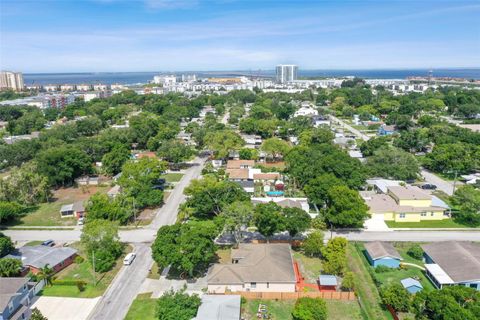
(432, 214)
(402, 215)
(253, 285)
(268, 285)
(423, 214)
(473, 285)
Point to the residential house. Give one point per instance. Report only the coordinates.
(406, 204)
(453, 263)
(252, 140)
(385, 130)
(321, 120)
(219, 307)
(16, 295)
(412, 285)
(247, 185)
(240, 164)
(266, 177)
(88, 181)
(237, 174)
(382, 254)
(114, 191)
(305, 111)
(75, 209)
(283, 202)
(255, 267)
(35, 258)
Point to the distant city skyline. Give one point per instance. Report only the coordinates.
(149, 35)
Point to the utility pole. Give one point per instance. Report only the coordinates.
(93, 263)
(455, 181)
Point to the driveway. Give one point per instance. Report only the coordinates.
(60, 308)
(158, 286)
(442, 185)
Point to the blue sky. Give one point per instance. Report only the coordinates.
(164, 35)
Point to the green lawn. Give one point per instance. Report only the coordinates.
(83, 271)
(173, 176)
(343, 310)
(364, 286)
(142, 308)
(309, 267)
(446, 223)
(33, 243)
(154, 272)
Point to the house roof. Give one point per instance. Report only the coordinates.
(383, 184)
(246, 183)
(271, 262)
(266, 176)
(9, 288)
(408, 193)
(76, 206)
(236, 164)
(327, 280)
(39, 256)
(410, 282)
(379, 203)
(459, 260)
(379, 249)
(216, 307)
(237, 173)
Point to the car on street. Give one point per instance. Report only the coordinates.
(428, 186)
(129, 259)
(48, 243)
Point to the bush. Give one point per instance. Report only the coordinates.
(310, 309)
(382, 269)
(79, 259)
(104, 261)
(81, 286)
(348, 281)
(318, 223)
(396, 296)
(313, 244)
(415, 252)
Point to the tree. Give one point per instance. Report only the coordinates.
(393, 163)
(46, 274)
(345, 208)
(450, 303)
(177, 306)
(101, 206)
(175, 151)
(275, 147)
(208, 196)
(222, 142)
(369, 147)
(450, 158)
(187, 248)
(6, 245)
(268, 218)
(317, 189)
(467, 200)
(296, 220)
(238, 215)
(113, 161)
(348, 281)
(10, 267)
(396, 296)
(10, 211)
(37, 315)
(309, 309)
(316, 136)
(335, 255)
(312, 246)
(139, 180)
(248, 154)
(415, 252)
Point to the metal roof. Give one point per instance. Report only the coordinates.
(327, 280)
(410, 282)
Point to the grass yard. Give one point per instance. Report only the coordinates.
(172, 176)
(154, 272)
(84, 271)
(446, 223)
(309, 267)
(48, 214)
(279, 310)
(364, 287)
(142, 308)
(33, 243)
(343, 310)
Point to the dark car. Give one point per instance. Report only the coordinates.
(48, 243)
(428, 186)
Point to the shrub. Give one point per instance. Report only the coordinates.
(309, 309)
(382, 269)
(318, 223)
(313, 244)
(348, 281)
(79, 259)
(396, 296)
(415, 252)
(81, 286)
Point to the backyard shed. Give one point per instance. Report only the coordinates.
(412, 285)
(327, 282)
(382, 254)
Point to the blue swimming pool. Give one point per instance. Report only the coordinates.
(275, 193)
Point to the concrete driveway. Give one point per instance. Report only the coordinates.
(60, 308)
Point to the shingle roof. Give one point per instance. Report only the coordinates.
(237, 173)
(379, 203)
(9, 288)
(378, 250)
(236, 164)
(459, 260)
(215, 307)
(39, 256)
(270, 262)
(409, 193)
(266, 176)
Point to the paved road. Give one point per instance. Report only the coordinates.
(356, 132)
(419, 236)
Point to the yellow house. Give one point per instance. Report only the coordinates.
(405, 204)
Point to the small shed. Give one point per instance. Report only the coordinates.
(76, 210)
(412, 285)
(327, 282)
(382, 254)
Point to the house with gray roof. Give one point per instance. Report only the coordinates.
(255, 267)
(382, 254)
(15, 297)
(35, 258)
(453, 263)
(219, 307)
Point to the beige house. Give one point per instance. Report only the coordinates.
(255, 267)
(406, 204)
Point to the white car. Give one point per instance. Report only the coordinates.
(129, 259)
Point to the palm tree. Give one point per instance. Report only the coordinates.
(46, 273)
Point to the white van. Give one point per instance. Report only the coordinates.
(129, 259)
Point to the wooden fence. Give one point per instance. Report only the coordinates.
(334, 295)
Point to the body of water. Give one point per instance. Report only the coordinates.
(145, 77)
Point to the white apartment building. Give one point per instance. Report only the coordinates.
(67, 87)
(100, 87)
(84, 87)
(11, 80)
(165, 80)
(286, 73)
(50, 87)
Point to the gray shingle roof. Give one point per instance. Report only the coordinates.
(378, 250)
(219, 308)
(460, 260)
(9, 288)
(39, 256)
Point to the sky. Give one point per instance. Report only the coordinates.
(194, 35)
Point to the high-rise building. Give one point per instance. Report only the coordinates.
(11, 80)
(286, 73)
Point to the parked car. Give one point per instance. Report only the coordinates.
(129, 258)
(428, 186)
(48, 243)
(81, 221)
